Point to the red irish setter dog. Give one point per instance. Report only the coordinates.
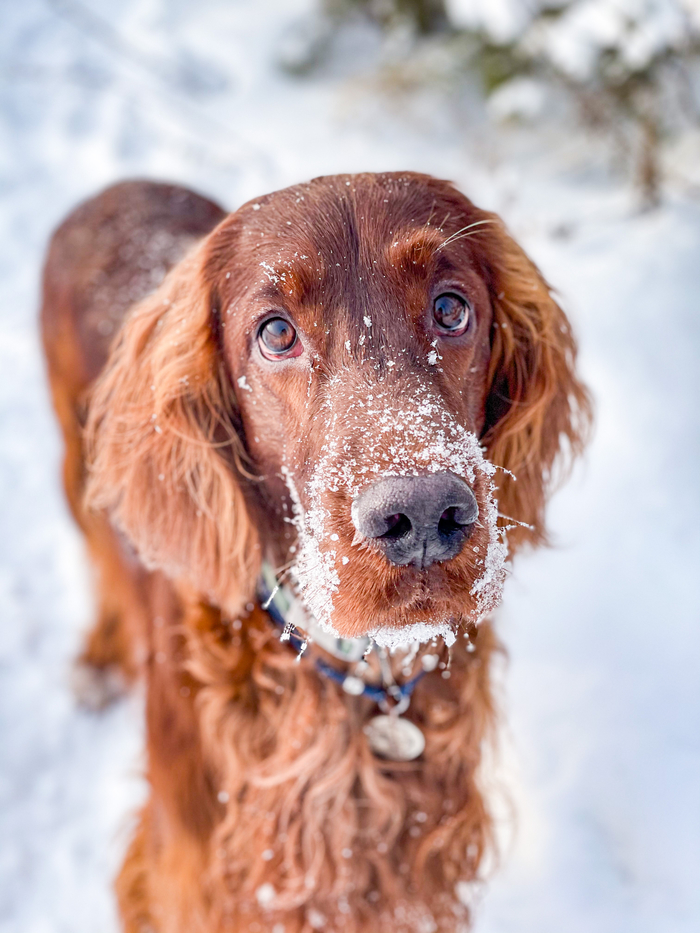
(352, 389)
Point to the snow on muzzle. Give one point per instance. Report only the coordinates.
(384, 478)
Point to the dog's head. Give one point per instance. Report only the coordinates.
(332, 380)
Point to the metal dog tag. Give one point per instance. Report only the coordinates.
(394, 738)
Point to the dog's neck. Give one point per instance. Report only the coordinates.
(389, 736)
(288, 611)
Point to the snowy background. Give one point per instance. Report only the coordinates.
(601, 750)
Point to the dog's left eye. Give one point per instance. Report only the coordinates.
(277, 338)
(451, 313)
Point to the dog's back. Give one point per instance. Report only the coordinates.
(109, 253)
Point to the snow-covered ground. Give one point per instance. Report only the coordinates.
(602, 737)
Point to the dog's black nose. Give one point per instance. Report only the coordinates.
(417, 520)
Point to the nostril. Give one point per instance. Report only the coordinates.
(417, 520)
(399, 526)
(454, 519)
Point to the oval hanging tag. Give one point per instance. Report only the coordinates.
(394, 738)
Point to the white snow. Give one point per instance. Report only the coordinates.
(602, 757)
(635, 29)
(502, 20)
(417, 633)
(266, 894)
(518, 99)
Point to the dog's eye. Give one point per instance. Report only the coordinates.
(277, 337)
(451, 313)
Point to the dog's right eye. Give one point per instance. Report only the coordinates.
(451, 313)
(277, 338)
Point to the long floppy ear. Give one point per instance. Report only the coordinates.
(538, 413)
(165, 458)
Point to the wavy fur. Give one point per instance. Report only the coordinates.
(165, 456)
(268, 809)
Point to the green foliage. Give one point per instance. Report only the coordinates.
(498, 63)
(427, 16)
(638, 99)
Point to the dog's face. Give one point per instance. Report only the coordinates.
(357, 334)
(374, 345)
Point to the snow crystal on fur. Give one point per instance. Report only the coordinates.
(422, 437)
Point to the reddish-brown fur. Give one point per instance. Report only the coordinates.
(259, 769)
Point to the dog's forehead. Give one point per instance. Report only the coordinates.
(343, 221)
(364, 197)
(343, 237)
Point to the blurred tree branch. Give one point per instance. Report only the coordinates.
(628, 67)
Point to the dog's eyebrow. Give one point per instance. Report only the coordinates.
(284, 280)
(419, 250)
